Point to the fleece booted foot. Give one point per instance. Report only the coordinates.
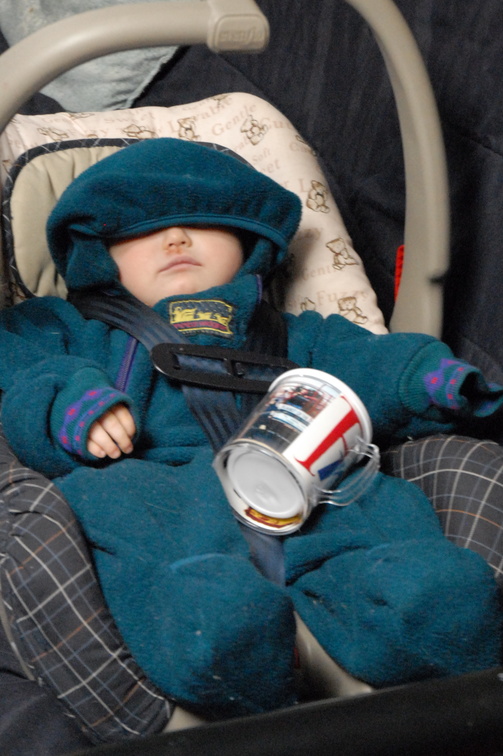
(403, 612)
(215, 635)
(387, 595)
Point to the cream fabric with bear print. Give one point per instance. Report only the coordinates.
(325, 272)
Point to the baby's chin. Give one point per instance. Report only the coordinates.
(175, 291)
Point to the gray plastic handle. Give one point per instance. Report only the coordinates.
(419, 306)
(239, 25)
(224, 25)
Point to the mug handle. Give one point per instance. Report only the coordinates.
(358, 483)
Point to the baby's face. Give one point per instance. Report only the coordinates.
(177, 260)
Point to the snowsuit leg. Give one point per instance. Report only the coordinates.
(200, 620)
(387, 595)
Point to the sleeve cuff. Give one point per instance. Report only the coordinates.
(79, 416)
(436, 381)
(457, 386)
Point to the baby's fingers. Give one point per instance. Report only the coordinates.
(101, 445)
(125, 418)
(111, 435)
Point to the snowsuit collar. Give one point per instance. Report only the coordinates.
(219, 316)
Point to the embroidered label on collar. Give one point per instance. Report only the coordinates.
(202, 315)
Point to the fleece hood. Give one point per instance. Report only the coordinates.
(165, 182)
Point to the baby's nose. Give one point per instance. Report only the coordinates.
(176, 236)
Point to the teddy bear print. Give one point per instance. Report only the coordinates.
(340, 252)
(55, 134)
(133, 131)
(317, 198)
(187, 129)
(254, 130)
(349, 309)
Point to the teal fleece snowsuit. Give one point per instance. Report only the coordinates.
(376, 582)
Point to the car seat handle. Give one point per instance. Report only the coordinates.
(419, 305)
(36, 60)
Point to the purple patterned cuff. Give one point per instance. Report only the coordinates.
(443, 384)
(448, 387)
(81, 415)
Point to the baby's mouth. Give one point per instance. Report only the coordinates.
(177, 261)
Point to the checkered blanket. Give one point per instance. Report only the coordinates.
(54, 614)
(55, 617)
(463, 478)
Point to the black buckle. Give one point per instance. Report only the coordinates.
(185, 363)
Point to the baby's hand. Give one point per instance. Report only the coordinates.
(112, 434)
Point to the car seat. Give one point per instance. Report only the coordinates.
(418, 149)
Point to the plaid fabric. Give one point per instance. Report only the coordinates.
(55, 616)
(56, 619)
(463, 478)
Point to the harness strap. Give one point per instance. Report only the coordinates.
(215, 408)
(206, 368)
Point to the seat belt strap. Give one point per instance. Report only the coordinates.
(215, 409)
(250, 370)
